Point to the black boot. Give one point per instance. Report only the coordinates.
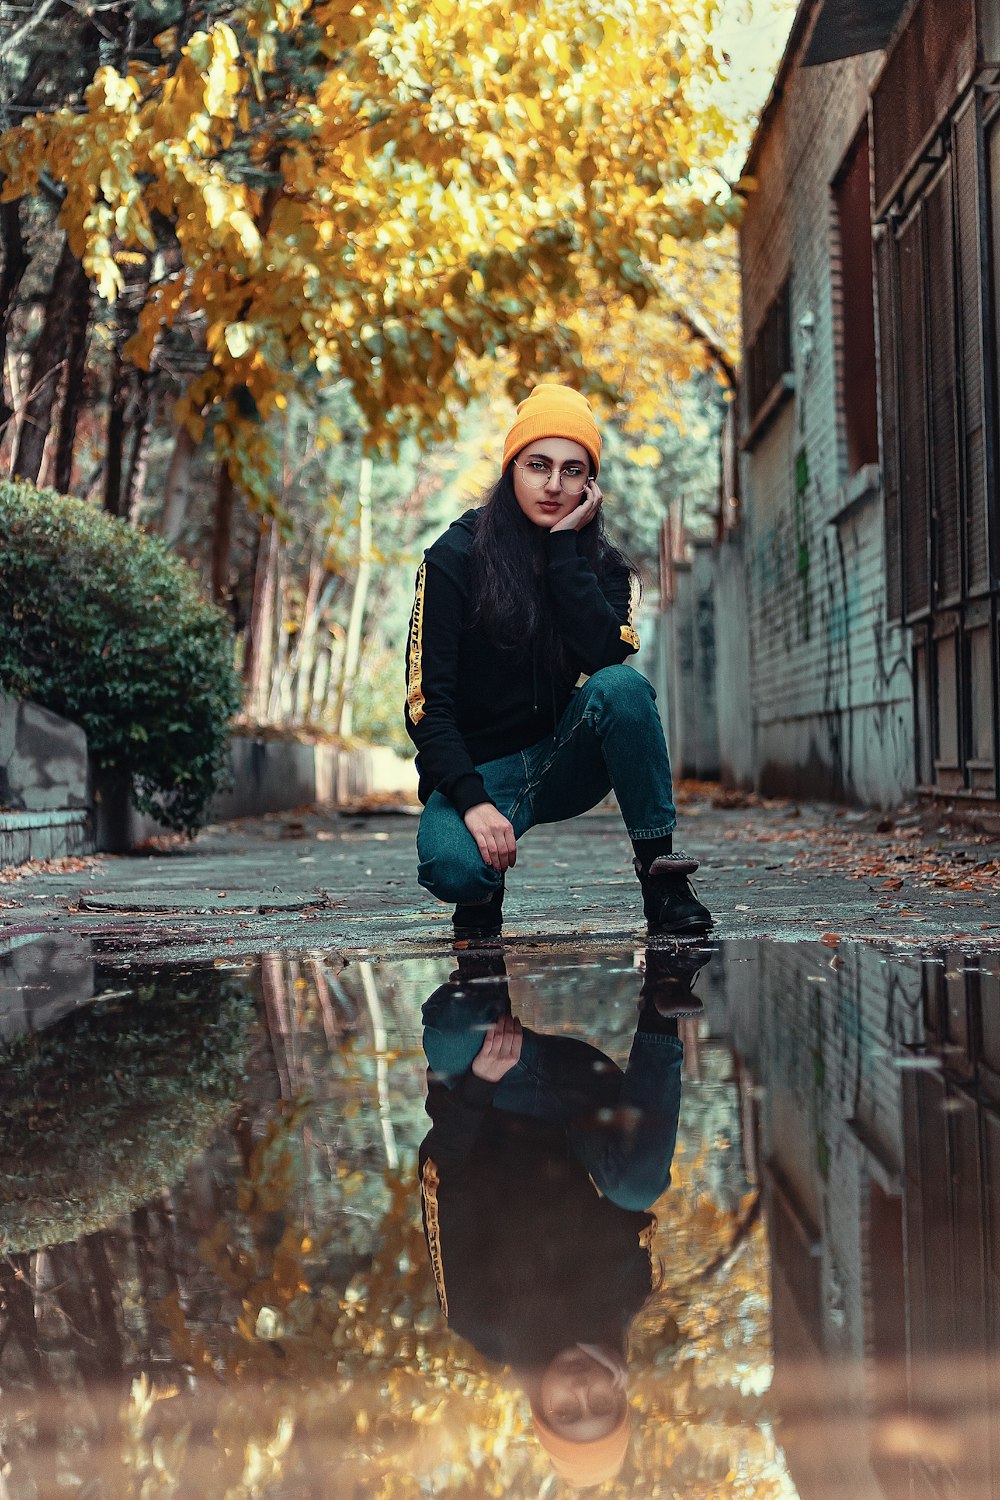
(481, 966)
(667, 984)
(484, 920)
(668, 899)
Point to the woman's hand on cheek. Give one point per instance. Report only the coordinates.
(590, 504)
(494, 835)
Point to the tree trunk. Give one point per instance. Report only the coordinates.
(279, 637)
(278, 1030)
(102, 1284)
(69, 285)
(19, 1307)
(124, 402)
(352, 648)
(306, 670)
(222, 532)
(135, 480)
(256, 657)
(114, 443)
(177, 488)
(15, 263)
(380, 1038)
(306, 635)
(319, 682)
(69, 412)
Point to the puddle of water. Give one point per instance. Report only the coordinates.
(248, 1250)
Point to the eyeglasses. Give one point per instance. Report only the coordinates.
(536, 474)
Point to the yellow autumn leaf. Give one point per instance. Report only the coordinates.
(644, 456)
(238, 337)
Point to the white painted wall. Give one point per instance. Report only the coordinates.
(736, 724)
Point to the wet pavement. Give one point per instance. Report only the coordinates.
(228, 1270)
(341, 882)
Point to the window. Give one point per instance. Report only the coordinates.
(769, 356)
(856, 321)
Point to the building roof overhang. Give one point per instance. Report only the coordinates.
(847, 28)
(843, 28)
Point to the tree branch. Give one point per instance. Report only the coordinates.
(10, 43)
(726, 1258)
(708, 341)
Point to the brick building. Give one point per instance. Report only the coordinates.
(855, 585)
(936, 201)
(873, 1108)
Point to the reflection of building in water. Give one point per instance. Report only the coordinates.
(873, 1092)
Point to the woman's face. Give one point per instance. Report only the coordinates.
(579, 1397)
(544, 506)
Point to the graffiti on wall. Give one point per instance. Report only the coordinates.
(818, 595)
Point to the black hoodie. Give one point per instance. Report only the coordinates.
(527, 1255)
(469, 701)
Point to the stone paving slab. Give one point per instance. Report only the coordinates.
(187, 902)
(322, 880)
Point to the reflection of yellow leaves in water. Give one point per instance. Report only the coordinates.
(365, 1382)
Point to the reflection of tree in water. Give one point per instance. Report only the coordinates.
(102, 1109)
(222, 1342)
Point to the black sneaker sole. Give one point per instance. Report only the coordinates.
(680, 1015)
(477, 930)
(692, 927)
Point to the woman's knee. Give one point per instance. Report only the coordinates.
(623, 690)
(637, 1185)
(462, 880)
(449, 864)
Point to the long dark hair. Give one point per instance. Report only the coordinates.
(508, 559)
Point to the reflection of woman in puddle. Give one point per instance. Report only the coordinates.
(541, 1163)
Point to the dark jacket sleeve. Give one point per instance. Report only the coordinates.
(457, 1116)
(431, 684)
(595, 622)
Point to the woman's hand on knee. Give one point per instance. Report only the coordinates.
(494, 835)
(501, 1050)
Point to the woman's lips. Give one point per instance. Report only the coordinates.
(552, 505)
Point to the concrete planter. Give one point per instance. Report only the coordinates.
(50, 806)
(44, 811)
(44, 835)
(268, 776)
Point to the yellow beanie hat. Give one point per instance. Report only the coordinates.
(584, 1464)
(553, 411)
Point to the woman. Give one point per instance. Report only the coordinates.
(518, 698)
(537, 1176)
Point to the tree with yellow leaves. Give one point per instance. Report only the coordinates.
(377, 191)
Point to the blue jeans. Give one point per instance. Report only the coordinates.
(621, 1127)
(609, 738)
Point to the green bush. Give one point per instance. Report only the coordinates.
(104, 625)
(113, 1102)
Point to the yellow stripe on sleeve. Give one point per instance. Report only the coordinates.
(628, 632)
(414, 687)
(429, 1180)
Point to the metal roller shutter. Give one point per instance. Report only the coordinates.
(914, 506)
(946, 497)
(970, 321)
(889, 421)
(937, 45)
